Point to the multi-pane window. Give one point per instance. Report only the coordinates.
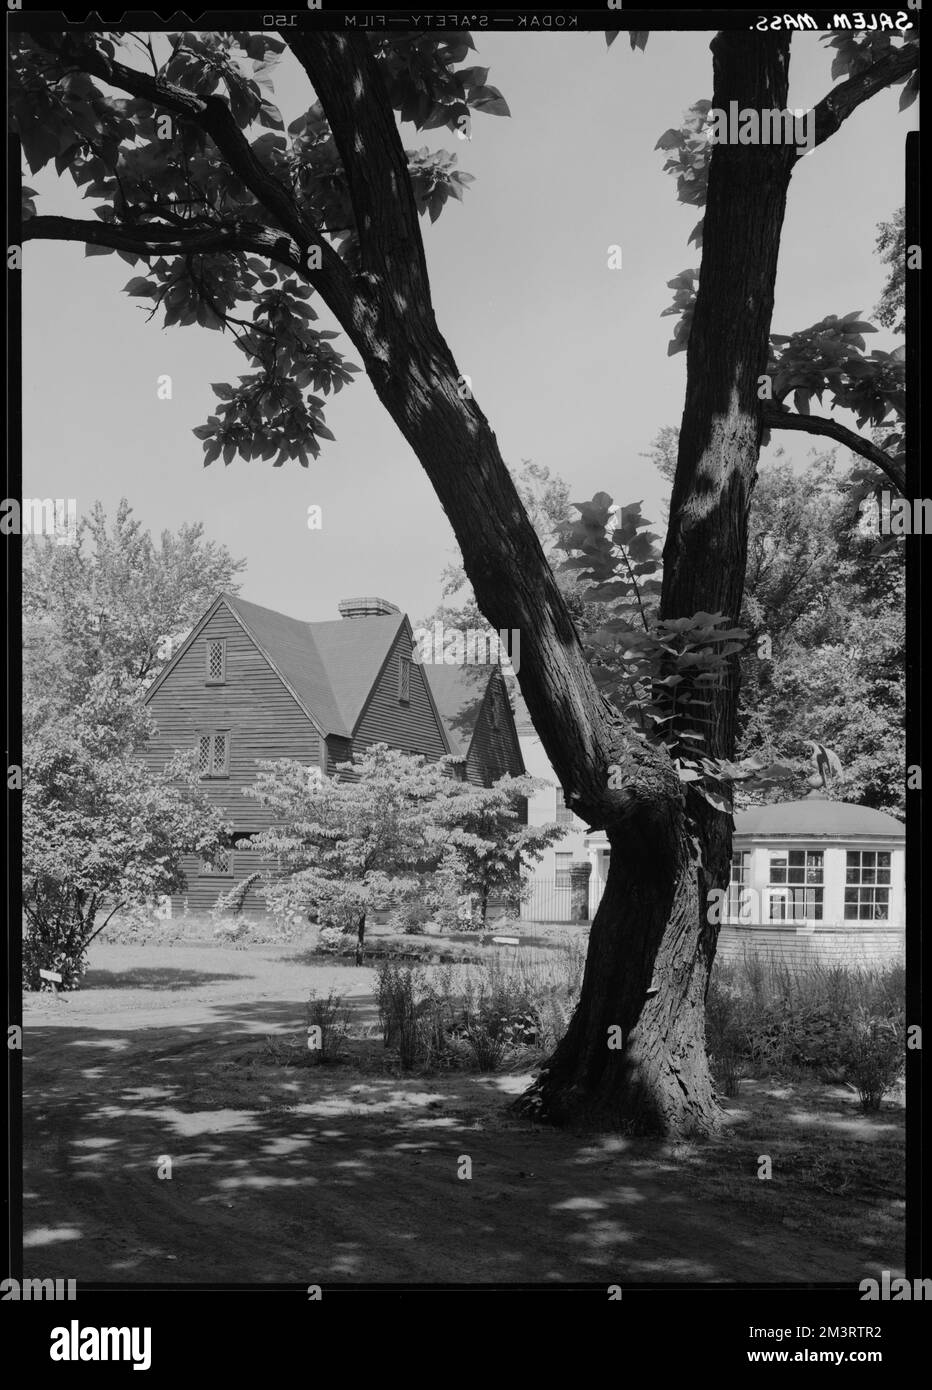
(796, 885)
(404, 680)
(220, 862)
(563, 862)
(867, 885)
(216, 661)
(738, 886)
(564, 814)
(493, 708)
(213, 753)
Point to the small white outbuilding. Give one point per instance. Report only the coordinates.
(816, 879)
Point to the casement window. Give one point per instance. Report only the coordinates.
(563, 862)
(738, 885)
(867, 885)
(493, 707)
(213, 753)
(564, 814)
(796, 885)
(219, 864)
(404, 680)
(216, 661)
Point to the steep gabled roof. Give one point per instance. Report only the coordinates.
(458, 693)
(290, 647)
(353, 652)
(330, 667)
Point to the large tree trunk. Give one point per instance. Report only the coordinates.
(652, 920)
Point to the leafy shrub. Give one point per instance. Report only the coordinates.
(728, 1022)
(497, 1020)
(331, 1016)
(874, 1048)
(412, 1013)
(829, 1020)
(331, 939)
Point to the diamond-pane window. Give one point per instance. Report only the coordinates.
(203, 754)
(404, 680)
(220, 755)
(213, 753)
(216, 660)
(220, 862)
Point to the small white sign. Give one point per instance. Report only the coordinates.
(50, 975)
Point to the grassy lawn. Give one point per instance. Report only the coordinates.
(354, 1171)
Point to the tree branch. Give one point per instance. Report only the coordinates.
(213, 115)
(842, 100)
(152, 239)
(775, 417)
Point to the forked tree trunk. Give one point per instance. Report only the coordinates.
(634, 1059)
(652, 922)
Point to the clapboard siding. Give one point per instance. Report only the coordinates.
(339, 750)
(824, 947)
(264, 719)
(413, 727)
(494, 751)
(203, 890)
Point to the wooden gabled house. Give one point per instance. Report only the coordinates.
(251, 684)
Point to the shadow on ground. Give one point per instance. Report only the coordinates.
(335, 1174)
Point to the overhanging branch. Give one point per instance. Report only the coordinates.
(838, 105)
(213, 115)
(153, 239)
(775, 417)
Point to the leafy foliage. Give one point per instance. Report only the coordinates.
(113, 602)
(375, 835)
(891, 247)
(829, 356)
(99, 828)
(142, 173)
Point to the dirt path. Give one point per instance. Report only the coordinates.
(332, 1174)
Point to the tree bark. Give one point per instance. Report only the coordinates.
(652, 920)
(360, 939)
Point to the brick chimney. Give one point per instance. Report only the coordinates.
(366, 608)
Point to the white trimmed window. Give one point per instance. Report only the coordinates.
(867, 885)
(740, 880)
(213, 753)
(404, 680)
(796, 885)
(563, 861)
(564, 815)
(216, 661)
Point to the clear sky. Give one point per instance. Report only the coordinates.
(568, 359)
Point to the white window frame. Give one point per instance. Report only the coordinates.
(789, 893)
(863, 887)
